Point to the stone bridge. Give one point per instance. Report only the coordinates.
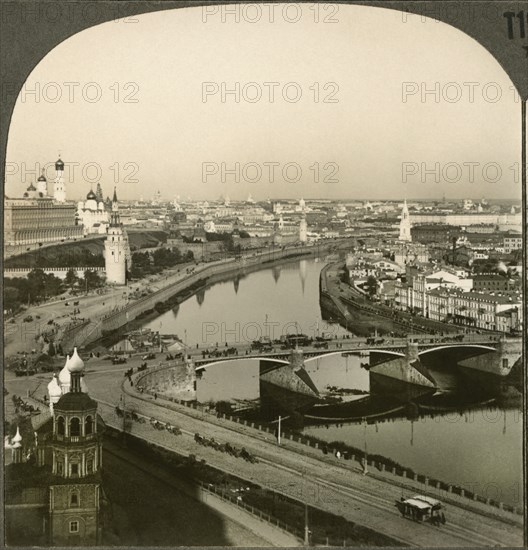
(489, 353)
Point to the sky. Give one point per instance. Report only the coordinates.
(350, 115)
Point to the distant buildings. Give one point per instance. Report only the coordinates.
(504, 221)
(437, 233)
(448, 297)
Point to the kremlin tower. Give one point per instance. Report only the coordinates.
(117, 250)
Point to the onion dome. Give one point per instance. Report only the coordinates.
(54, 390)
(91, 196)
(31, 187)
(59, 165)
(42, 177)
(64, 374)
(76, 364)
(17, 438)
(26, 195)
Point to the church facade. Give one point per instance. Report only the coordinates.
(92, 214)
(53, 485)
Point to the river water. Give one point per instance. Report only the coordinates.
(480, 449)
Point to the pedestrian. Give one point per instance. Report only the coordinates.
(155, 395)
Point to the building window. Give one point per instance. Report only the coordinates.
(75, 426)
(74, 499)
(60, 425)
(74, 468)
(88, 425)
(59, 468)
(74, 526)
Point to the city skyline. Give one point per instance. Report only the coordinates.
(163, 128)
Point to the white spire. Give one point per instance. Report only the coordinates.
(17, 439)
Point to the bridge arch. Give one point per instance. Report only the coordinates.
(212, 363)
(355, 351)
(458, 346)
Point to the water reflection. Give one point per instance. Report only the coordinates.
(414, 426)
(234, 313)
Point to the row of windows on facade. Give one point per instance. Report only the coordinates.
(75, 426)
(28, 215)
(74, 470)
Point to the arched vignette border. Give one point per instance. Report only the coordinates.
(26, 36)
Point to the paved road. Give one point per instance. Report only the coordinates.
(20, 336)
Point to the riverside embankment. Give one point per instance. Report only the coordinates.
(200, 277)
(357, 313)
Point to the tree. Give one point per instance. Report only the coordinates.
(51, 349)
(371, 285)
(71, 278)
(36, 283)
(11, 298)
(91, 279)
(53, 285)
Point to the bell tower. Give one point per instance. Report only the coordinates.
(77, 457)
(405, 224)
(59, 189)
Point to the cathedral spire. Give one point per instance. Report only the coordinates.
(114, 216)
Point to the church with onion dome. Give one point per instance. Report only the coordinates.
(92, 214)
(54, 495)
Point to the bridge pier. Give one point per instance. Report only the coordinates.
(498, 362)
(408, 369)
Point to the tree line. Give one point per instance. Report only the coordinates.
(38, 286)
(146, 263)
